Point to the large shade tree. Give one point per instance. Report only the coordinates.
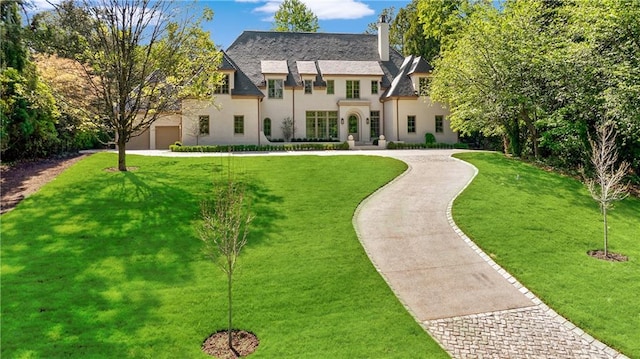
(497, 74)
(141, 59)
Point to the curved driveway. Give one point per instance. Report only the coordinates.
(470, 305)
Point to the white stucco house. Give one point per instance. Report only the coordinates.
(329, 85)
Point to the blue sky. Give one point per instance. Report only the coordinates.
(231, 17)
(342, 16)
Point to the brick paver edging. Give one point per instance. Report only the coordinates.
(534, 299)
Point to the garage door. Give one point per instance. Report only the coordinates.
(166, 136)
(139, 142)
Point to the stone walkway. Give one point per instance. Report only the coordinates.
(470, 305)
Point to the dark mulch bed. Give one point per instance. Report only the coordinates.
(244, 343)
(611, 257)
(19, 180)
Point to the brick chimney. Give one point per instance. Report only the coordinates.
(383, 38)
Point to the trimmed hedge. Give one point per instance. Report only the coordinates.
(413, 146)
(262, 148)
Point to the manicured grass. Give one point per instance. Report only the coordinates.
(108, 264)
(539, 226)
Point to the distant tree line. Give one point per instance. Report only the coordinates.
(33, 122)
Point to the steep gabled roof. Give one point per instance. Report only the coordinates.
(419, 66)
(243, 85)
(402, 85)
(252, 47)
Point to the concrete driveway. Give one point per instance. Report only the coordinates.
(468, 303)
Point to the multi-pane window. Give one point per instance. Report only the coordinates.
(322, 124)
(274, 88)
(330, 87)
(424, 86)
(266, 127)
(439, 124)
(308, 86)
(238, 125)
(374, 87)
(353, 89)
(411, 124)
(203, 125)
(223, 88)
(374, 117)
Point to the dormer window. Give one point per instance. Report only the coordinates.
(308, 86)
(275, 88)
(223, 88)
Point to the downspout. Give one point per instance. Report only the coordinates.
(293, 116)
(258, 102)
(397, 119)
(382, 121)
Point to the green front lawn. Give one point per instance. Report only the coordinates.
(108, 264)
(539, 226)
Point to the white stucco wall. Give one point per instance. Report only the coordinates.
(295, 104)
(221, 121)
(425, 112)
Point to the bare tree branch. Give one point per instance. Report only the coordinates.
(607, 184)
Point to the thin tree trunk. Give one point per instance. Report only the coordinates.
(122, 155)
(230, 336)
(606, 232)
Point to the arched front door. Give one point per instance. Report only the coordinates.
(353, 127)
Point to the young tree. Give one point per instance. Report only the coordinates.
(606, 186)
(141, 60)
(295, 16)
(224, 230)
(288, 130)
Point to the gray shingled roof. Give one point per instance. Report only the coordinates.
(227, 63)
(401, 85)
(243, 85)
(419, 66)
(252, 47)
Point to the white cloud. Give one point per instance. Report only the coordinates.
(43, 5)
(324, 9)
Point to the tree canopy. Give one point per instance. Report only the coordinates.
(541, 75)
(28, 113)
(139, 58)
(295, 16)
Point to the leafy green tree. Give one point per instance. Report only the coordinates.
(441, 20)
(141, 60)
(295, 16)
(605, 47)
(406, 32)
(415, 41)
(28, 112)
(13, 53)
(496, 75)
